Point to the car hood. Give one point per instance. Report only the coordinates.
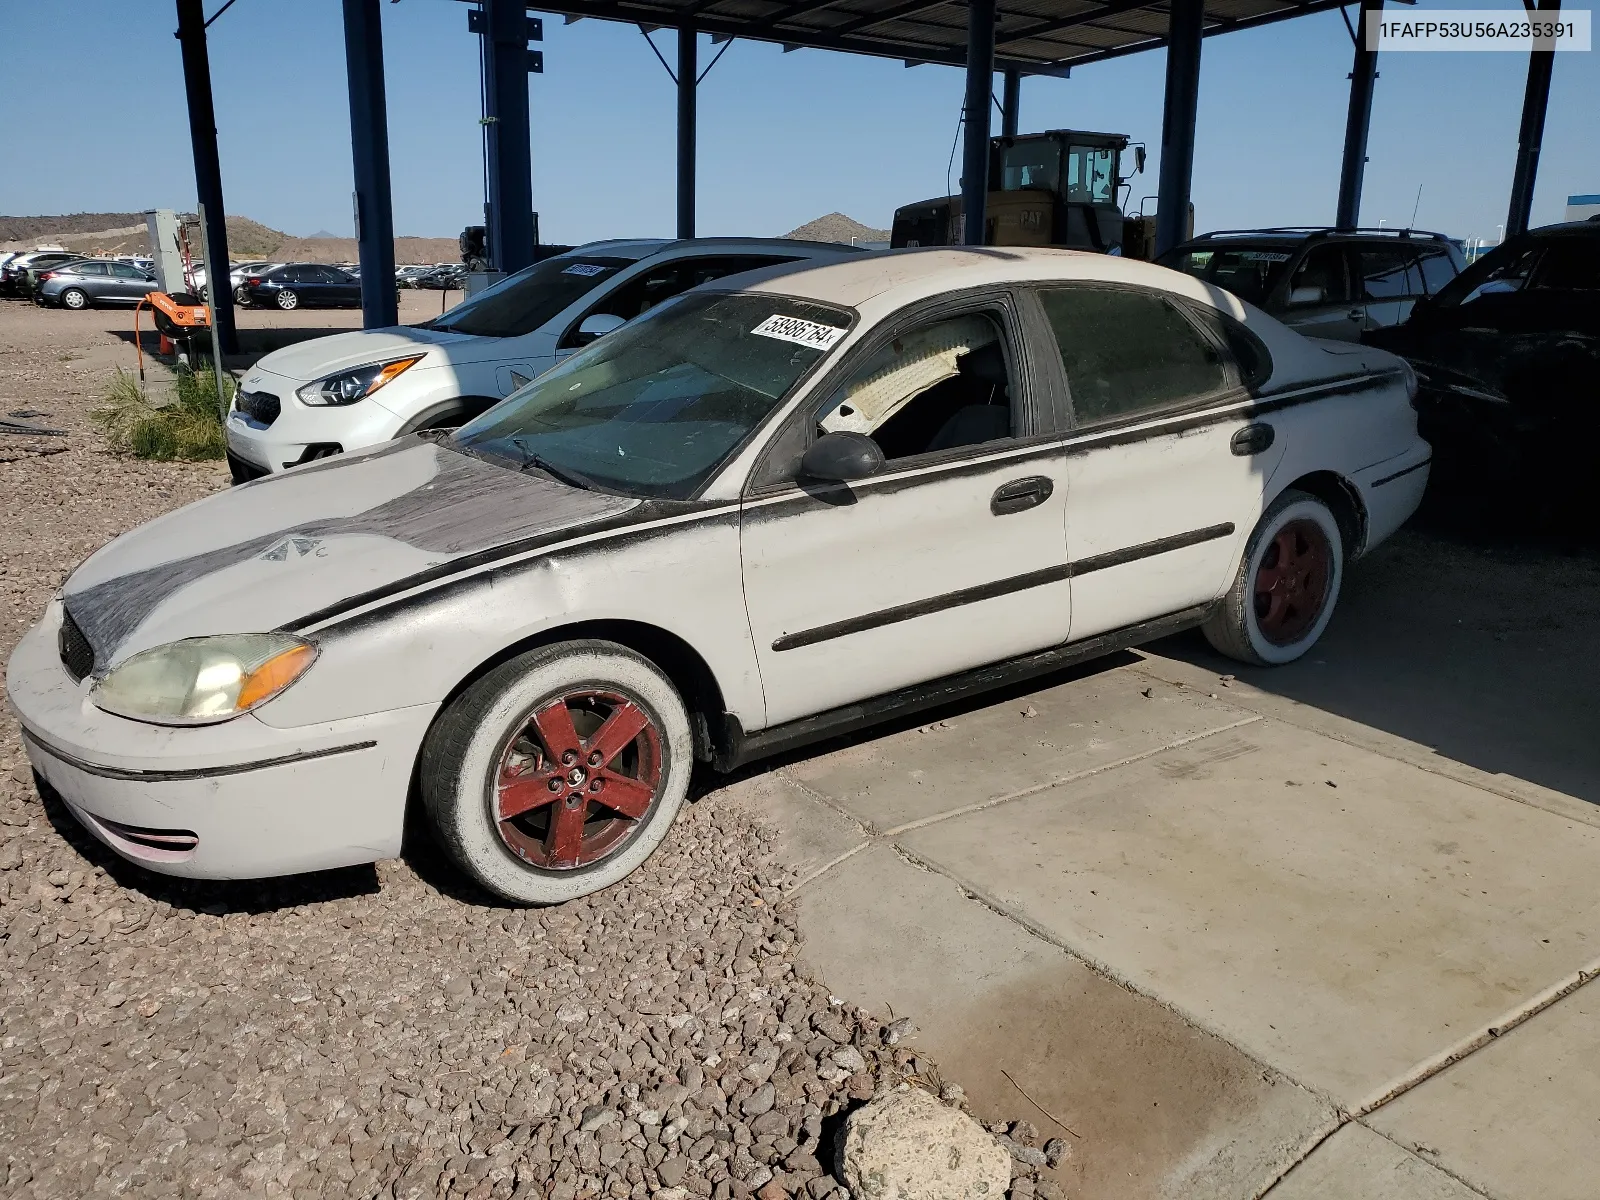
(270, 553)
(325, 355)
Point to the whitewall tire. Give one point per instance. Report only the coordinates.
(1287, 585)
(559, 772)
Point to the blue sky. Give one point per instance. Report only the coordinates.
(783, 137)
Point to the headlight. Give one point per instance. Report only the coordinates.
(202, 680)
(355, 384)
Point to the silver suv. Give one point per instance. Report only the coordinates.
(1323, 282)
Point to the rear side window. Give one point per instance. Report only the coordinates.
(88, 268)
(1438, 269)
(1388, 273)
(1128, 352)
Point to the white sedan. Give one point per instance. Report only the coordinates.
(353, 390)
(776, 508)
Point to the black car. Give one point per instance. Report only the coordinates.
(1324, 282)
(298, 285)
(1508, 369)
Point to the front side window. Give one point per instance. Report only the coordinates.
(656, 407)
(1128, 353)
(1249, 272)
(1571, 265)
(124, 271)
(525, 301)
(936, 387)
(1504, 269)
(1321, 278)
(642, 293)
(1031, 166)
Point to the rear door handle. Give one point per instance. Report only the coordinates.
(1020, 495)
(1252, 439)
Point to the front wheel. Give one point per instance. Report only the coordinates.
(288, 301)
(1287, 585)
(74, 298)
(559, 772)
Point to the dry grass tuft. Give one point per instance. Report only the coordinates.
(188, 428)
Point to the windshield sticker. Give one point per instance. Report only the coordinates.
(802, 333)
(1263, 256)
(586, 269)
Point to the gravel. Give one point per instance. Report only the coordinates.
(384, 1031)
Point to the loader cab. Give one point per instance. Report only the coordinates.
(1057, 188)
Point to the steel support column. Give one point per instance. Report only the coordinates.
(1363, 77)
(369, 146)
(1010, 102)
(207, 169)
(975, 114)
(505, 58)
(688, 79)
(1184, 35)
(1535, 100)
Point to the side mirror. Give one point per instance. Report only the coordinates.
(1307, 295)
(597, 325)
(842, 456)
(1138, 159)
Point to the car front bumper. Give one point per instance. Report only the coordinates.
(300, 432)
(238, 800)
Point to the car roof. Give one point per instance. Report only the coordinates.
(1299, 235)
(642, 248)
(889, 278)
(1586, 228)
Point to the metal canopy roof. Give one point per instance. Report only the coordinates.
(1037, 37)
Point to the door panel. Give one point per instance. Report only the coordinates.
(1157, 504)
(1336, 312)
(951, 557)
(857, 590)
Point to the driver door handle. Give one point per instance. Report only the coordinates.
(1020, 495)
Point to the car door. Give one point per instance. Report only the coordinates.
(950, 557)
(1165, 473)
(1388, 282)
(1318, 298)
(129, 282)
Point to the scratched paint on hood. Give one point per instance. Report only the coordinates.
(254, 557)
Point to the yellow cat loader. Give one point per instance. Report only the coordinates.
(1057, 188)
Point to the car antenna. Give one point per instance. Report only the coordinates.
(1415, 207)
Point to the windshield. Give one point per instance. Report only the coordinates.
(1249, 272)
(525, 301)
(654, 408)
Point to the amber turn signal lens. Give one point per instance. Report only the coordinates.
(272, 676)
(390, 371)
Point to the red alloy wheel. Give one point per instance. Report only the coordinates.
(1291, 584)
(577, 779)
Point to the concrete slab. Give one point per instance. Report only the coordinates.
(1163, 1109)
(1520, 1119)
(1083, 724)
(1358, 1164)
(810, 836)
(1340, 916)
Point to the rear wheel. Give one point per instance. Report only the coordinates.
(288, 300)
(241, 297)
(1287, 585)
(74, 298)
(558, 772)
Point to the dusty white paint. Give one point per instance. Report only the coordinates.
(450, 561)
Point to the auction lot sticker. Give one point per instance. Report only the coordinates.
(802, 333)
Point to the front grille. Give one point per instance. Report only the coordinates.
(77, 655)
(261, 407)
